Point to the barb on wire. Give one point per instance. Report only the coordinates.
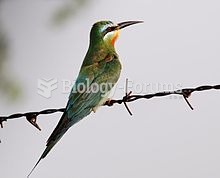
(126, 96)
(32, 116)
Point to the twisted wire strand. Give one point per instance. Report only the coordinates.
(186, 92)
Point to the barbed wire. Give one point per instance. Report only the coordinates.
(186, 92)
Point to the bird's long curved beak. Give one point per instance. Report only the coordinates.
(122, 25)
(127, 23)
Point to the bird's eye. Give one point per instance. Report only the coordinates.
(110, 29)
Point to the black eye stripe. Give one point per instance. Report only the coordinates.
(110, 29)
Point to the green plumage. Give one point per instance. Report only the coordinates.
(99, 72)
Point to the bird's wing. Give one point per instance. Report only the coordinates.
(91, 76)
(77, 100)
(80, 100)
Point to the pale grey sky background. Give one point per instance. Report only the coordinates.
(178, 45)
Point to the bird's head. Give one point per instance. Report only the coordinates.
(107, 31)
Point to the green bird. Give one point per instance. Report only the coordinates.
(99, 72)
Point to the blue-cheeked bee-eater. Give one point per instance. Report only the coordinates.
(99, 72)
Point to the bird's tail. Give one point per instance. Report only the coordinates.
(56, 135)
(44, 154)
